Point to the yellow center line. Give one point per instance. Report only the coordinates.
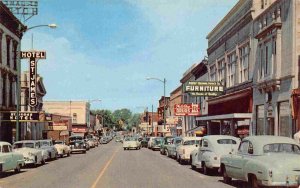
(104, 169)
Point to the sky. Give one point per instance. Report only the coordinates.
(105, 49)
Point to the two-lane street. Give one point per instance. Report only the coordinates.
(112, 167)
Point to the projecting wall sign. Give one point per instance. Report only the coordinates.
(32, 56)
(204, 88)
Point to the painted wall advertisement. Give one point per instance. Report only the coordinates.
(187, 109)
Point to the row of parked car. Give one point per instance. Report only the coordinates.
(37, 152)
(258, 160)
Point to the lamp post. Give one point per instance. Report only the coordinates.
(164, 82)
(18, 90)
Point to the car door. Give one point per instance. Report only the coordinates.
(238, 161)
(203, 148)
(178, 142)
(7, 157)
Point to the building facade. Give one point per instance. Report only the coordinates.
(10, 37)
(276, 29)
(79, 111)
(175, 121)
(161, 129)
(231, 63)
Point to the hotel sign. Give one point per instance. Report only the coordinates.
(32, 56)
(204, 88)
(23, 116)
(187, 109)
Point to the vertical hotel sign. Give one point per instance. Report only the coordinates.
(33, 56)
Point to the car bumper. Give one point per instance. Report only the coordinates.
(29, 160)
(77, 150)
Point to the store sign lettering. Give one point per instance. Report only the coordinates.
(204, 88)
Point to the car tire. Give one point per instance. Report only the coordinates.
(84, 152)
(68, 154)
(124, 149)
(252, 182)
(226, 178)
(18, 168)
(43, 161)
(206, 171)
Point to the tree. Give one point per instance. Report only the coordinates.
(135, 120)
(123, 114)
(108, 119)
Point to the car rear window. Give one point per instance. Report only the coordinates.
(226, 141)
(281, 148)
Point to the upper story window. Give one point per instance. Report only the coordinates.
(231, 70)
(266, 53)
(8, 51)
(15, 54)
(0, 47)
(244, 63)
(221, 71)
(74, 120)
(212, 72)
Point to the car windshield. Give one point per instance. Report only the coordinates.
(76, 138)
(190, 142)
(59, 142)
(226, 141)
(28, 145)
(281, 148)
(44, 143)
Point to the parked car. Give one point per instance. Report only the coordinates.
(144, 142)
(90, 142)
(184, 150)
(157, 143)
(104, 140)
(96, 141)
(9, 159)
(167, 140)
(118, 139)
(62, 148)
(31, 151)
(150, 142)
(264, 161)
(171, 148)
(77, 144)
(49, 147)
(131, 142)
(212, 147)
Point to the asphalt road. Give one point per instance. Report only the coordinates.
(109, 166)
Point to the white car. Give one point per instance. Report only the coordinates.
(171, 148)
(62, 148)
(31, 152)
(150, 142)
(10, 160)
(212, 147)
(184, 150)
(48, 146)
(131, 142)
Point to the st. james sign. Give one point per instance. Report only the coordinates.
(33, 56)
(204, 88)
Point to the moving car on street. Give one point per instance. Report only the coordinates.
(77, 144)
(10, 160)
(62, 148)
(264, 161)
(131, 142)
(212, 147)
(31, 151)
(144, 142)
(184, 150)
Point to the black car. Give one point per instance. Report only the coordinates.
(77, 144)
(144, 142)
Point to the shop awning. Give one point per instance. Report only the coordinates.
(196, 130)
(226, 116)
(230, 96)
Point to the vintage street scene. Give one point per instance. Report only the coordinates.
(149, 93)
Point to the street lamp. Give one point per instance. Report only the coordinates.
(23, 30)
(164, 82)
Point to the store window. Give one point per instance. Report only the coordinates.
(260, 120)
(284, 119)
(74, 118)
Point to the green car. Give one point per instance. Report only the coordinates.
(10, 160)
(264, 161)
(166, 141)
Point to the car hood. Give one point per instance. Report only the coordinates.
(276, 160)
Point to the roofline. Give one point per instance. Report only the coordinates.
(227, 16)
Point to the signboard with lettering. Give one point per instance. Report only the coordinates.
(187, 109)
(33, 55)
(204, 88)
(25, 116)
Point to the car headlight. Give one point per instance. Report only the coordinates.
(270, 173)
